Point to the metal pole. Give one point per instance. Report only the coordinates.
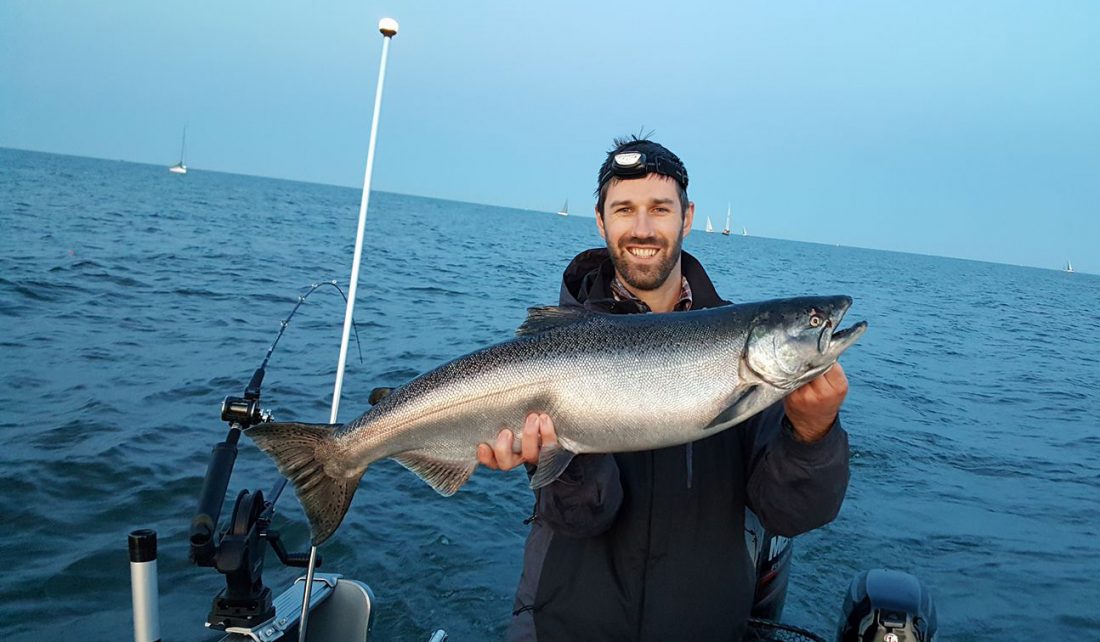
(388, 28)
(143, 585)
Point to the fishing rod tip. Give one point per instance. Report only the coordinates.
(388, 27)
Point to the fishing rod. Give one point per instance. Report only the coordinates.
(239, 551)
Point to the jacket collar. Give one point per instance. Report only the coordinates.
(586, 283)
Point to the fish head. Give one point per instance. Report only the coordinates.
(792, 341)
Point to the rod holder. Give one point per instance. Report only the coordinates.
(143, 585)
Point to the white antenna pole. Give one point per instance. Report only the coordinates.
(388, 28)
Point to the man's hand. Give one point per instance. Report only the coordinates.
(538, 430)
(813, 408)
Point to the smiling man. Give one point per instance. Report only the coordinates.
(650, 545)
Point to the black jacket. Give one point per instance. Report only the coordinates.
(651, 545)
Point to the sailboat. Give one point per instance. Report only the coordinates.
(180, 167)
(744, 231)
(564, 209)
(729, 209)
(710, 228)
(1069, 266)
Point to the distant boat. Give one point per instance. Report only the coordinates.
(180, 167)
(744, 231)
(1069, 266)
(729, 209)
(710, 228)
(564, 209)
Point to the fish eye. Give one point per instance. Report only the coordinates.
(815, 320)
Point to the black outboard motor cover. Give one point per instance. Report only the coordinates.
(887, 606)
(771, 555)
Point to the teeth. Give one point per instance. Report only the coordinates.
(643, 252)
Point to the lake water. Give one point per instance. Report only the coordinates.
(133, 300)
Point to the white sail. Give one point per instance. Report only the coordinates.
(710, 228)
(564, 211)
(729, 210)
(181, 167)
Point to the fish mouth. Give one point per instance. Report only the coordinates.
(831, 343)
(843, 339)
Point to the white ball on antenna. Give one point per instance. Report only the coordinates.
(388, 27)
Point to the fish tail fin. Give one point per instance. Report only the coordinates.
(301, 452)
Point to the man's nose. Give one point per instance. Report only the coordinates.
(643, 224)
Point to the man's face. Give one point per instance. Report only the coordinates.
(644, 228)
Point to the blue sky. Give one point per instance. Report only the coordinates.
(967, 129)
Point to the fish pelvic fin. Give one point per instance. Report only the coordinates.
(553, 460)
(549, 317)
(301, 451)
(446, 477)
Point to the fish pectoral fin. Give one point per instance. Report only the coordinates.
(446, 477)
(548, 317)
(553, 460)
(738, 410)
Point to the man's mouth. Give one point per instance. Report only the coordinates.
(643, 252)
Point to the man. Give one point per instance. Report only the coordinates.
(650, 545)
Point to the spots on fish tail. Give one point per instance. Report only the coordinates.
(301, 452)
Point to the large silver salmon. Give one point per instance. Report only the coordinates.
(611, 383)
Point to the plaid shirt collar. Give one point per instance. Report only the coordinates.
(620, 293)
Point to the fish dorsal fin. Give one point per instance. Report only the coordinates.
(547, 317)
(378, 394)
(446, 477)
(553, 460)
(743, 405)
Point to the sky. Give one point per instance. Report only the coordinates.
(966, 129)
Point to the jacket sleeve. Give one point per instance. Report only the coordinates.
(793, 486)
(584, 500)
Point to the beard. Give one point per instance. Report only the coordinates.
(646, 277)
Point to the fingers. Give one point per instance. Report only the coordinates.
(538, 431)
(836, 378)
(546, 430)
(832, 383)
(530, 446)
(485, 457)
(502, 449)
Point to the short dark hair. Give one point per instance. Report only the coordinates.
(652, 150)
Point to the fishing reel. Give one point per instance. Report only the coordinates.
(238, 551)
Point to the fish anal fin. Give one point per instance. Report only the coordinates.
(553, 460)
(743, 405)
(548, 317)
(446, 477)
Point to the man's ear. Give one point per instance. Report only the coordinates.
(689, 217)
(599, 224)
